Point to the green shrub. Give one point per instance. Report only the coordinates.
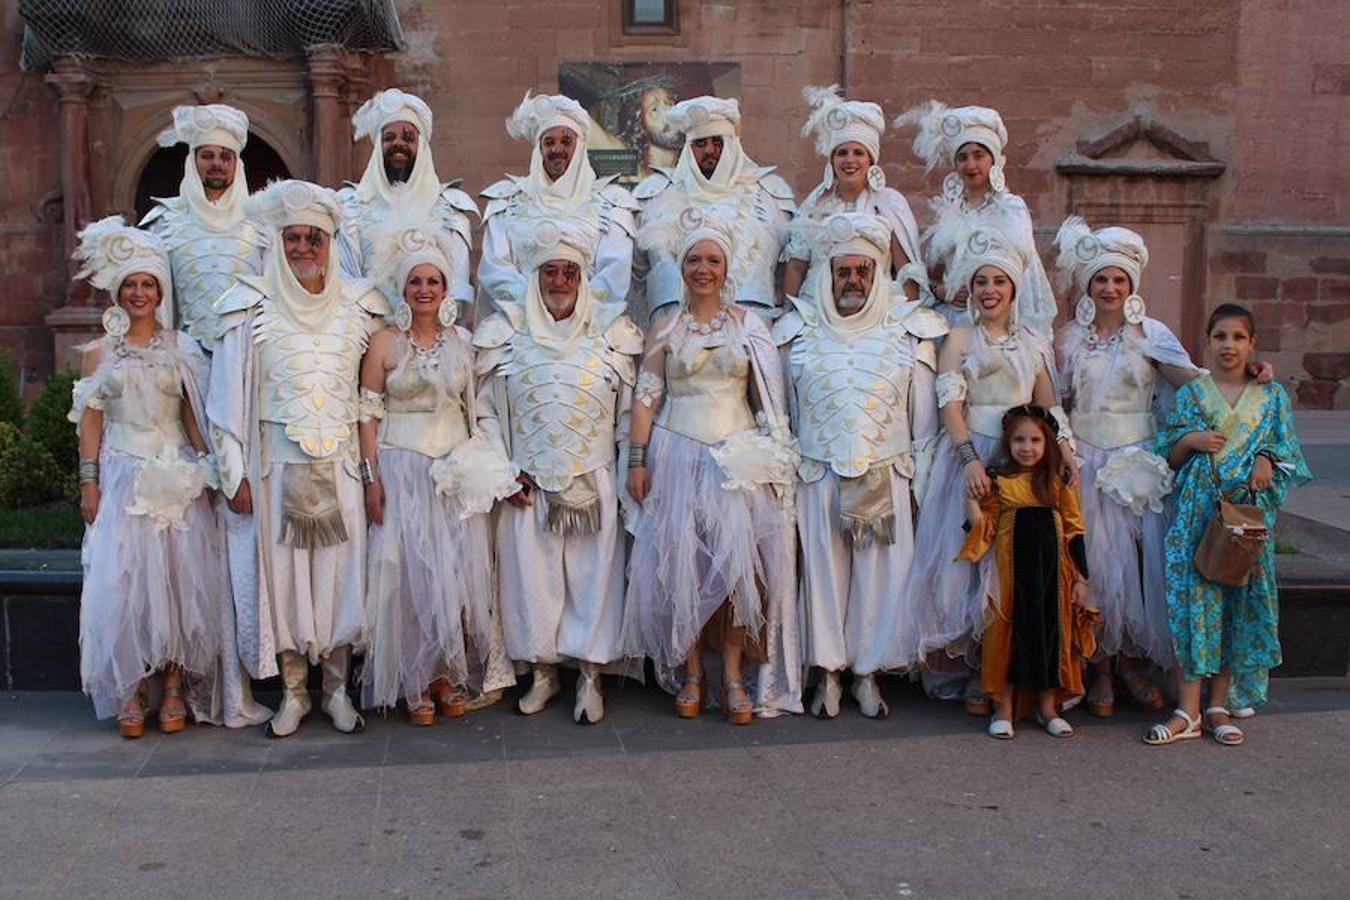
(48, 425)
(28, 473)
(11, 404)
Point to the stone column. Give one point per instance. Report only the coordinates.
(331, 135)
(78, 320)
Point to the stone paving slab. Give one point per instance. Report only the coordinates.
(644, 805)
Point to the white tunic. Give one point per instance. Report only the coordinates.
(561, 594)
(282, 397)
(858, 405)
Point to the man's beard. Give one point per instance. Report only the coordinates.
(398, 172)
(848, 304)
(216, 182)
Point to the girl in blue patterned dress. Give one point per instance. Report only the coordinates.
(1228, 426)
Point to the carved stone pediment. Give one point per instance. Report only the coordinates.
(1141, 146)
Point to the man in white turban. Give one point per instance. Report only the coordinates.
(861, 364)
(283, 407)
(400, 184)
(561, 184)
(211, 243)
(556, 371)
(714, 171)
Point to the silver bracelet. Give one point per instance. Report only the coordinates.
(88, 471)
(637, 456)
(369, 474)
(965, 451)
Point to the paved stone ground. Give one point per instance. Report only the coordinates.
(496, 805)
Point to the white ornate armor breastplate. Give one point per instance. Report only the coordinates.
(308, 381)
(853, 398)
(205, 265)
(424, 406)
(1112, 396)
(562, 411)
(707, 393)
(143, 399)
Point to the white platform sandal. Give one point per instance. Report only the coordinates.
(1001, 729)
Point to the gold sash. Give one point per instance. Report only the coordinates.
(866, 507)
(310, 516)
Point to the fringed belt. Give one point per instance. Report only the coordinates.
(576, 508)
(867, 507)
(310, 515)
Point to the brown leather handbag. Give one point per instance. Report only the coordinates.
(1232, 545)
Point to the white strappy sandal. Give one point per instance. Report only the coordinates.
(1160, 734)
(1224, 735)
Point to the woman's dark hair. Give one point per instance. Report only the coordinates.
(1048, 474)
(1231, 311)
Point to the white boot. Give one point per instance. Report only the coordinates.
(544, 688)
(590, 706)
(337, 703)
(868, 695)
(295, 704)
(829, 691)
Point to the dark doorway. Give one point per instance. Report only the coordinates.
(164, 171)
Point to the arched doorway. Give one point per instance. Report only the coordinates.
(164, 171)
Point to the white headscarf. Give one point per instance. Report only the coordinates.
(418, 194)
(110, 250)
(278, 206)
(851, 234)
(540, 241)
(529, 121)
(704, 117)
(200, 126)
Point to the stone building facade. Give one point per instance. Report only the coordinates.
(1216, 128)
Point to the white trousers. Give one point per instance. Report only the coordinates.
(849, 592)
(561, 595)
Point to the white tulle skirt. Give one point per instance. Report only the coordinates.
(945, 596)
(430, 609)
(1126, 560)
(698, 546)
(149, 597)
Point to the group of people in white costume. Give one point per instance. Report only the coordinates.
(305, 439)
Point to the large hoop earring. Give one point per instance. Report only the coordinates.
(448, 312)
(116, 321)
(1135, 309)
(996, 180)
(403, 317)
(1085, 313)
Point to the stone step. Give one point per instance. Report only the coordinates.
(39, 625)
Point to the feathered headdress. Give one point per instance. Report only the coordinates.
(109, 250)
(943, 131)
(835, 120)
(1084, 252)
(674, 232)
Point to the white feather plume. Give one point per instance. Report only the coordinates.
(929, 140)
(1074, 229)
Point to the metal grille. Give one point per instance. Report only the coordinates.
(159, 30)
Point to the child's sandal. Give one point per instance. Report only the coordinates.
(1225, 735)
(1161, 734)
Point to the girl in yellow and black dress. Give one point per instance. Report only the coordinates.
(1039, 627)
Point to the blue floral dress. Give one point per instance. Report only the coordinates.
(1215, 627)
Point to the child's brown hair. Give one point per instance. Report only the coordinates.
(1048, 474)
